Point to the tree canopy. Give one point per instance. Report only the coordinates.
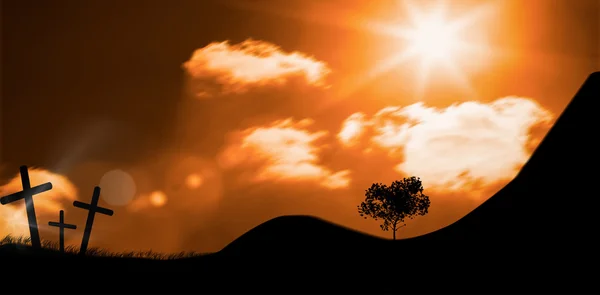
(394, 203)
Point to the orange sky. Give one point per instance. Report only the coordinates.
(294, 114)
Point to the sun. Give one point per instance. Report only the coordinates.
(431, 40)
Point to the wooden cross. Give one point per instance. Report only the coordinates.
(92, 208)
(27, 194)
(61, 229)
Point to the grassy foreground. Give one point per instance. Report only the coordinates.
(98, 252)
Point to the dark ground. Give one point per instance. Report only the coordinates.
(537, 234)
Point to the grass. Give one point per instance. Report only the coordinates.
(98, 252)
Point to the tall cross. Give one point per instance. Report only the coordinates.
(27, 194)
(92, 208)
(61, 230)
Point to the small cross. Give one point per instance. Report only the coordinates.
(27, 194)
(61, 228)
(92, 208)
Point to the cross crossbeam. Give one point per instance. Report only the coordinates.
(92, 208)
(22, 194)
(27, 194)
(61, 227)
(89, 207)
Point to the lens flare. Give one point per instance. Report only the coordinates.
(158, 199)
(194, 181)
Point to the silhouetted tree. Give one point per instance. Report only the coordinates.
(392, 204)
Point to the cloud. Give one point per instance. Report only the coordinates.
(285, 151)
(13, 216)
(236, 68)
(352, 129)
(466, 146)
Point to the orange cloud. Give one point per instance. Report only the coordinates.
(285, 151)
(237, 67)
(352, 129)
(13, 216)
(460, 147)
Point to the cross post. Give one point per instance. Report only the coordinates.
(61, 230)
(92, 208)
(27, 194)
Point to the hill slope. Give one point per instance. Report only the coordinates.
(304, 237)
(552, 199)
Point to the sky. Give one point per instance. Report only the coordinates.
(202, 119)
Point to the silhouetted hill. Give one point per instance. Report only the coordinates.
(553, 200)
(540, 227)
(536, 234)
(301, 235)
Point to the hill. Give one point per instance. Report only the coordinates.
(549, 206)
(553, 197)
(536, 234)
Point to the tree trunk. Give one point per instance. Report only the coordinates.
(394, 234)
